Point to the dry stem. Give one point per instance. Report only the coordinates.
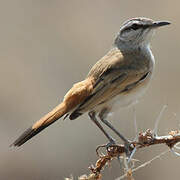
(145, 139)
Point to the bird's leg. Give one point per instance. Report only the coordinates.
(102, 116)
(92, 116)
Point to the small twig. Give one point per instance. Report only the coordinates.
(143, 165)
(135, 124)
(158, 120)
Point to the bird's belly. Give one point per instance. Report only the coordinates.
(130, 97)
(125, 100)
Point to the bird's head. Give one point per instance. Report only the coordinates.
(137, 32)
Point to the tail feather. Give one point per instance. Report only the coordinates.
(44, 122)
(76, 95)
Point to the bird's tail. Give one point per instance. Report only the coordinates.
(44, 122)
(76, 95)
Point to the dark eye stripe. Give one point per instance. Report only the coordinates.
(135, 27)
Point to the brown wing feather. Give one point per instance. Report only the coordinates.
(103, 72)
(112, 78)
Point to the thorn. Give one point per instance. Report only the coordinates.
(135, 124)
(102, 154)
(119, 161)
(176, 146)
(157, 121)
(174, 152)
(133, 164)
(126, 163)
(132, 154)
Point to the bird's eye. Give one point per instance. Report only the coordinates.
(135, 26)
(132, 27)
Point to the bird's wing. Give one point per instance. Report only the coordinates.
(113, 79)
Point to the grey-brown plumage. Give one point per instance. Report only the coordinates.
(116, 73)
(116, 80)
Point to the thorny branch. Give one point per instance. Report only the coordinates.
(142, 140)
(145, 139)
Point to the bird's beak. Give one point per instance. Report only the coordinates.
(159, 24)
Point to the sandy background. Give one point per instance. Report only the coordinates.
(45, 47)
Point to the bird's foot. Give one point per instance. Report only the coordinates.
(110, 143)
(107, 146)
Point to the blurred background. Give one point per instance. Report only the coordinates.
(47, 46)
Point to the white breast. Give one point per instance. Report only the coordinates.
(126, 100)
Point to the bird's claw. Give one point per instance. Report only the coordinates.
(110, 143)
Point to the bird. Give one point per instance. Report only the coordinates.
(117, 80)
